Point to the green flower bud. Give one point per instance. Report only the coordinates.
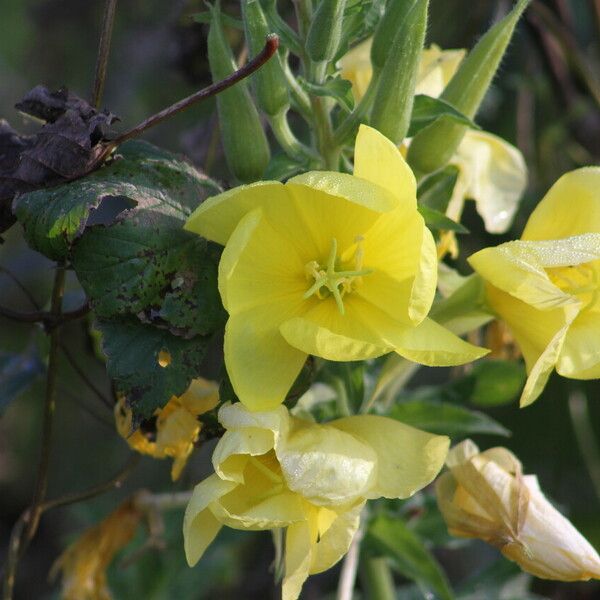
(386, 31)
(244, 140)
(435, 145)
(269, 81)
(393, 103)
(325, 32)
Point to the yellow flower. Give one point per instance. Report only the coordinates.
(485, 495)
(490, 171)
(175, 428)
(546, 286)
(84, 563)
(330, 264)
(273, 470)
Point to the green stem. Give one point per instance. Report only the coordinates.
(290, 144)
(378, 579)
(299, 96)
(303, 15)
(330, 153)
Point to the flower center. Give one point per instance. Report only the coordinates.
(582, 281)
(327, 281)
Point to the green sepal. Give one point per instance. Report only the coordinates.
(427, 110)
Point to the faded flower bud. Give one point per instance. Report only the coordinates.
(485, 495)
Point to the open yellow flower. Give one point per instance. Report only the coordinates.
(485, 495)
(84, 563)
(330, 264)
(174, 429)
(490, 171)
(273, 470)
(546, 286)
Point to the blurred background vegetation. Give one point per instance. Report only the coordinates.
(546, 101)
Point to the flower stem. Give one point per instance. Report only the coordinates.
(378, 579)
(345, 590)
(290, 144)
(103, 51)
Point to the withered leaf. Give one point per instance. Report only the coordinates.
(71, 142)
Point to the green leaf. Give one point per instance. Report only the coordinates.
(435, 190)
(282, 167)
(496, 382)
(17, 373)
(337, 88)
(438, 220)
(289, 38)
(392, 538)
(445, 418)
(205, 17)
(427, 110)
(132, 352)
(147, 177)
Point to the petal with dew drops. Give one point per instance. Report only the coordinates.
(324, 332)
(298, 552)
(378, 160)
(571, 207)
(218, 216)
(407, 458)
(335, 540)
(199, 525)
(261, 364)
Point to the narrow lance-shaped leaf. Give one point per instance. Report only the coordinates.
(394, 98)
(433, 147)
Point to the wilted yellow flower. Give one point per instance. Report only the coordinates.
(330, 264)
(84, 563)
(490, 171)
(273, 470)
(174, 429)
(546, 286)
(485, 495)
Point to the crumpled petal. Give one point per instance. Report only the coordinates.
(378, 160)
(407, 458)
(571, 207)
(494, 174)
(298, 550)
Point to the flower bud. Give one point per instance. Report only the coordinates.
(325, 32)
(244, 140)
(269, 81)
(393, 103)
(386, 31)
(485, 495)
(433, 147)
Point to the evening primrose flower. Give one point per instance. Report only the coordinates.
(335, 265)
(84, 563)
(490, 171)
(485, 495)
(174, 429)
(546, 286)
(273, 470)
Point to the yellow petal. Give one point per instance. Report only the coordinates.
(199, 525)
(335, 540)
(298, 548)
(431, 344)
(326, 465)
(571, 207)
(356, 67)
(401, 252)
(494, 174)
(378, 160)
(261, 364)
(217, 217)
(407, 459)
(436, 69)
(201, 397)
(580, 354)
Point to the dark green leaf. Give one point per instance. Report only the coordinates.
(336, 88)
(392, 538)
(427, 110)
(496, 382)
(17, 373)
(435, 191)
(152, 179)
(132, 353)
(446, 419)
(282, 167)
(438, 220)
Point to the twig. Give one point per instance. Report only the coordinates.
(271, 45)
(21, 286)
(347, 579)
(49, 319)
(71, 359)
(103, 51)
